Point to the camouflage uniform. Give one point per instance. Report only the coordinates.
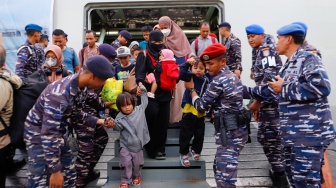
(116, 44)
(265, 60)
(225, 95)
(91, 137)
(29, 59)
(233, 50)
(311, 48)
(305, 117)
(45, 132)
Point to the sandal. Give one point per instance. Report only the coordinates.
(184, 160)
(136, 181)
(194, 155)
(123, 185)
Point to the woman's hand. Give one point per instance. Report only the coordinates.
(139, 91)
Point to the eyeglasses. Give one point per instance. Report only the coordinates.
(123, 57)
(48, 72)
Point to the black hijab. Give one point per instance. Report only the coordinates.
(154, 49)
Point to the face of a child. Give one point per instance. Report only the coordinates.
(136, 53)
(161, 57)
(127, 108)
(124, 61)
(198, 70)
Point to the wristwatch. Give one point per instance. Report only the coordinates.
(191, 90)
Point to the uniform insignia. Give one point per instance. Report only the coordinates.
(265, 52)
(310, 65)
(206, 57)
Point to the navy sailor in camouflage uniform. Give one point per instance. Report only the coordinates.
(233, 48)
(301, 88)
(225, 96)
(50, 161)
(306, 46)
(29, 57)
(266, 61)
(91, 138)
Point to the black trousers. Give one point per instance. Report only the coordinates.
(157, 116)
(191, 126)
(5, 157)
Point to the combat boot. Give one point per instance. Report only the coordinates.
(279, 181)
(93, 174)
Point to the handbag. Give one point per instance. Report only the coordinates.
(130, 84)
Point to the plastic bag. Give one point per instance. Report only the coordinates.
(111, 90)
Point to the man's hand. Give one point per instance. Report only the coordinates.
(109, 123)
(189, 85)
(255, 108)
(237, 72)
(109, 104)
(276, 86)
(252, 75)
(191, 61)
(56, 180)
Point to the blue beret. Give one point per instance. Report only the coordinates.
(33, 27)
(302, 25)
(254, 29)
(100, 67)
(292, 29)
(224, 24)
(107, 50)
(126, 34)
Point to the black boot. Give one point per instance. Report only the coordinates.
(93, 174)
(279, 180)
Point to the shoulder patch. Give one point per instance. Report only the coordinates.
(310, 64)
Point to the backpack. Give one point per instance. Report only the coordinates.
(169, 72)
(213, 39)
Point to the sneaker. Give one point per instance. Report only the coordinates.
(150, 95)
(136, 181)
(123, 185)
(93, 175)
(160, 156)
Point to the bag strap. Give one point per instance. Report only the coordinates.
(4, 131)
(196, 45)
(152, 58)
(132, 72)
(213, 39)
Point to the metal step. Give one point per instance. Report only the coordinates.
(166, 184)
(162, 170)
(172, 148)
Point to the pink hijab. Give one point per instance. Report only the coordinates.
(177, 41)
(59, 60)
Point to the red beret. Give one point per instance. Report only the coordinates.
(212, 51)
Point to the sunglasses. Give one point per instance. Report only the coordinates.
(48, 72)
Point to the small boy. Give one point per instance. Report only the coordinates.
(125, 67)
(132, 124)
(192, 124)
(145, 33)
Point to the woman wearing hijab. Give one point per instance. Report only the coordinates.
(52, 69)
(177, 42)
(157, 111)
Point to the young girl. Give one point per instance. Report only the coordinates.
(131, 122)
(192, 124)
(165, 55)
